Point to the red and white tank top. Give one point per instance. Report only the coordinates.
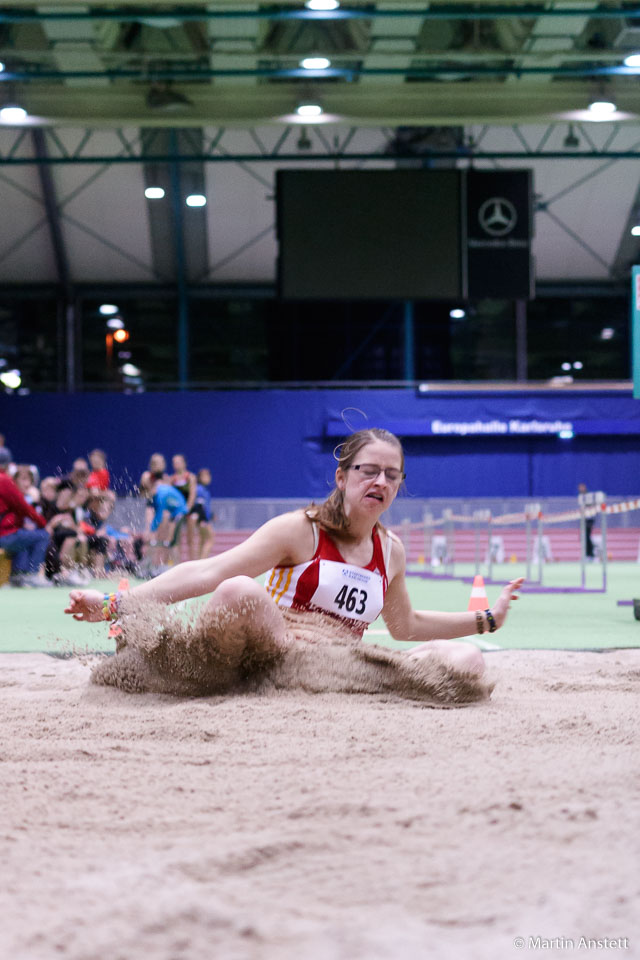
(330, 585)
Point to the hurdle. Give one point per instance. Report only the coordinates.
(438, 540)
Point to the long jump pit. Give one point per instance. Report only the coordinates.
(310, 822)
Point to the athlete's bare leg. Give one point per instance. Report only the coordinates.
(462, 656)
(242, 620)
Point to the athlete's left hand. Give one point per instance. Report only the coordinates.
(502, 604)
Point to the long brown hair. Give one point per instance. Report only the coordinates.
(330, 515)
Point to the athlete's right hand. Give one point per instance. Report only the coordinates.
(86, 605)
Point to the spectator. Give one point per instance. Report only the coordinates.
(99, 478)
(170, 510)
(108, 546)
(186, 482)
(26, 548)
(68, 543)
(93, 527)
(203, 512)
(589, 546)
(155, 473)
(26, 481)
(77, 478)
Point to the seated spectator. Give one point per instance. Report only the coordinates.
(99, 478)
(77, 477)
(48, 496)
(186, 482)
(202, 510)
(109, 547)
(68, 544)
(26, 481)
(26, 548)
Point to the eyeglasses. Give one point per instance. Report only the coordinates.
(371, 470)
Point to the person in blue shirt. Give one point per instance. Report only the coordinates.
(170, 508)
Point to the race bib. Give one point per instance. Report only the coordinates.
(349, 591)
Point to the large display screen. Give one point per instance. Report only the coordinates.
(363, 234)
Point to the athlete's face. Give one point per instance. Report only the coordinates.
(363, 488)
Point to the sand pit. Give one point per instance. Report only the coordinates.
(290, 825)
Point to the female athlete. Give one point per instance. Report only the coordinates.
(331, 569)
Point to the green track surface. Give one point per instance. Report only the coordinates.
(33, 620)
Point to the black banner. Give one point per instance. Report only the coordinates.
(499, 223)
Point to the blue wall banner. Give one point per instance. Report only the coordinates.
(280, 443)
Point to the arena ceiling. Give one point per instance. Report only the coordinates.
(203, 98)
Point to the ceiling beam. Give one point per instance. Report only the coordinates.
(441, 72)
(53, 215)
(304, 158)
(362, 104)
(452, 11)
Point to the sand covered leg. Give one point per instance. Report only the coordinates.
(336, 668)
(461, 656)
(239, 632)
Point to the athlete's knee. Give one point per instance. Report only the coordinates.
(466, 656)
(236, 590)
(462, 656)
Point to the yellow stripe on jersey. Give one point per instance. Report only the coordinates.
(275, 570)
(286, 586)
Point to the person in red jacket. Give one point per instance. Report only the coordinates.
(25, 547)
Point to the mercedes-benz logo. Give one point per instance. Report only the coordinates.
(497, 216)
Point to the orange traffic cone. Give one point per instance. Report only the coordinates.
(115, 630)
(478, 599)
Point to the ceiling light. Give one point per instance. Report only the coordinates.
(578, 365)
(130, 370)
(633, 60)
(196, 200)
(309, 110)
(322, 4)
(161, 23)
(154, 193)
(566, 366)
(121, 335)
(11, 379)
(607, 333)
(13, 114)
(457, 313)
(2, 66)
(107, 309)
(599, 109)
(115, 323)
(635, 231)
(315, 63)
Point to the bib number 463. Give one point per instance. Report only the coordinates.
(353, 600)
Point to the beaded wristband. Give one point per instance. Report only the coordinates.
(479, 622)
(110, 605)
(493, 626)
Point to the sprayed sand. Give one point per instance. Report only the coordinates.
(286, 825)
(161, 651)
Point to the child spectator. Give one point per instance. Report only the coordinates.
(26, 481)
(99, 478)
(68, 543)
